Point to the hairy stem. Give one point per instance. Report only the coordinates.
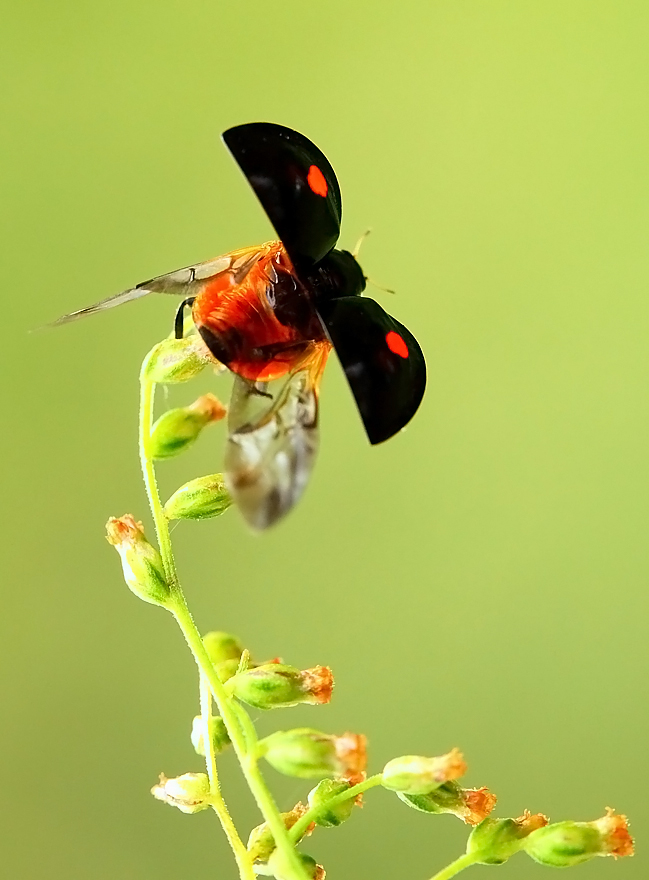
(298, 830)
(178, 607)
(455, 867)
(244, 864)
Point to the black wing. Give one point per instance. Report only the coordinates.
(295, 184)
(382, 360)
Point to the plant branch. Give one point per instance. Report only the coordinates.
(455, 867)
(299, 829)
(178, 607)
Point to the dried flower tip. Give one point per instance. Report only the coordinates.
(189, 792)
(261, 842)
(494, 841)
(351, 750)
(279, 868)
(218, 734)
(275, 685)
(325, 790)
(564, 844)
(176, 360)
(202, 498)
(141, 562)
(178, 429)
(414, 774)
(310, 754)
(469, 804)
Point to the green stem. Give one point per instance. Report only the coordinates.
(219, 806)
(455, 867)
(178, 607)
(299, 829)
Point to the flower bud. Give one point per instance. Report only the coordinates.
(472, 805)
(413, 774)
(189, 792)
(279, 868)
(222, 646)
(308, 754)
(564, 844)
(218, 734)
(324, 792)
(261, 842)
(176, 360)
(493, 841)
(141, 562)
(177, 429)
(274, 685)
(202, 498)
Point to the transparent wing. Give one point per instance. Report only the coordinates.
(183, 282)
(273, 440)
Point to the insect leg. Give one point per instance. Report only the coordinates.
(179, 323)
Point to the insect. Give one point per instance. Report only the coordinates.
(272, 313)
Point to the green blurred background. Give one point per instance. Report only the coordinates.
(481, 579)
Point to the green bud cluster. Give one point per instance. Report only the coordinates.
(494, 841)
(141, 562)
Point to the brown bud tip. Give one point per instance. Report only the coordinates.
(529, 822)
(351, 751)
(318, 683)
(209, 407)
(478, 803)
(615, 834)
(123, 529)
(450, 766)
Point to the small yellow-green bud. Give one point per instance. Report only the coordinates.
(281, 870)
(564, 844)
(202, 498)
(472, 805)
(141, 562)
(413, 774)
(189, 792)
(325, 790)
(218, 734)
(177, 429)
(275, 685)
(176, 360)
(310, 754)
(222, 646)
(494, 841)
(261, 842)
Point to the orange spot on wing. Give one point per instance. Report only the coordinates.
(316, 180)
(396, 344)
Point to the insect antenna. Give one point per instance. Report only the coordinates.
(355, 253)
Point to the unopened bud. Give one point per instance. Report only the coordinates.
(472, 805)
(324, 791)
(413, 774)
(261, 842)
(202, 498)
(189, 792)
(177, 429)
(494, 841)
(176, 360)
(275, 685)
(141, 562)
(308, 753)
(564, 844)
(282, 870)
(218, 734)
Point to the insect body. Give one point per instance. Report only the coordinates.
(272, 314)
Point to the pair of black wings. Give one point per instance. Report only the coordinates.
(298, 189)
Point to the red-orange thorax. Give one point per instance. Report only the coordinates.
(264, 326)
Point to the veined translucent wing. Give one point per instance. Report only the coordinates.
(186, 282)
(273, 439)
